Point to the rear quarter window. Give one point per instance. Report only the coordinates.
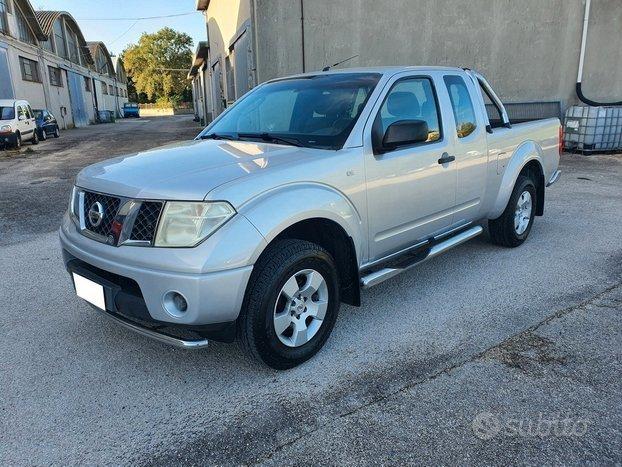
(462, 106)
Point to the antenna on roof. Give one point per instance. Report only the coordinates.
(326, 68)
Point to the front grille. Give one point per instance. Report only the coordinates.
(110, 205)
(146, 222)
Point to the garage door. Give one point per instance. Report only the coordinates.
(6, 87)
(76, 96)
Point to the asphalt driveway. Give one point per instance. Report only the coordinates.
(484, 354)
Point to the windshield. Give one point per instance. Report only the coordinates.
(7, 113)
(317, 111)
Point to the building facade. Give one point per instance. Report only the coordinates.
(45, 59)
(529, 50)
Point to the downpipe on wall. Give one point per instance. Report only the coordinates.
(582, 98)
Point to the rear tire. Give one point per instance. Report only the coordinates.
(512, 228)
(280, 324)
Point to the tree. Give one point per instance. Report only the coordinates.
(152, 64)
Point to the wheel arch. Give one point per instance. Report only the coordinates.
(526, 160)
(333, 237)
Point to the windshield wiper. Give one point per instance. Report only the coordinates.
(218, 136)
(272, 138)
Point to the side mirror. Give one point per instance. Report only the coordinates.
(402, 133)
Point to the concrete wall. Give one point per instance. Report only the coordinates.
(224, 19)
(528, 49)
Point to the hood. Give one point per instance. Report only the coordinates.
(185, 171)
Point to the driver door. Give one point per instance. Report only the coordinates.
(410, 193)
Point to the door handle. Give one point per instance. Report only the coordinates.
(446, 158)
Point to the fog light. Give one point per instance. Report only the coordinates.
(180, 302)
(175, 303)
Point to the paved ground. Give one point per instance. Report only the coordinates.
(483, 355)
(34, 182)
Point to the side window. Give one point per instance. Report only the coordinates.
(31, 114)
(461, 103)
(21, 112)
(412, 99)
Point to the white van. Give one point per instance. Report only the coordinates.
(17, 123)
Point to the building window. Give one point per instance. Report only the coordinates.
(56, 78)
(3, 21)
(30, 69)
(47, 45)
(23, 29)
(111, 90)
(59, 38)
(104, 88)
(72, 44)
(101, 63)
(87, 84)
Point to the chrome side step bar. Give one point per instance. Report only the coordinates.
(165, 338)
(376, 277)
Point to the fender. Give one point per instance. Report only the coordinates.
(526, 152)
(275, 210)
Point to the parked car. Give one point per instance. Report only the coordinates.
(47, 125)
(17, 123)
(303, 192)
(130, 109)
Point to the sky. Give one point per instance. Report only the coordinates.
(95, 19)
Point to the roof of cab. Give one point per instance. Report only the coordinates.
(383, 70)
(10, 102)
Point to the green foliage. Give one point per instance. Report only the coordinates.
(151, 62)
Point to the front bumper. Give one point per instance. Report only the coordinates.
(7, 139)
(141, 276)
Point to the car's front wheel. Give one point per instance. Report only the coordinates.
(512, 228)
(35, 137)
(291, 304)
(18, 141)
(44, 135)
(56, 132)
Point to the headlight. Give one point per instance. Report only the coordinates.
(189, 223)
(5, 128)
(74, 203)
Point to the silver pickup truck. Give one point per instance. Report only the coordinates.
(305, 191)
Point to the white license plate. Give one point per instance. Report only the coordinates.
(90, 291)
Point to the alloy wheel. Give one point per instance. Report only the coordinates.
(300, 308)
(522, 214)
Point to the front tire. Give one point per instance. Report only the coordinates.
(18, 142)
(291, 304)
(512, 228)
(35, 137)
(56, 132)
